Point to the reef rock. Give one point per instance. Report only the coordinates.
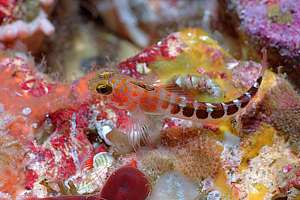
(24, 24)
(61, 129)
(266, 24)
(278, 104)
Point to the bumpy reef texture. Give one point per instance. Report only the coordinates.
(24, 24)
(69, 142)
(143, 22)
(273, 25)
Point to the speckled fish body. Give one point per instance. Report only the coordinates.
(134, 95)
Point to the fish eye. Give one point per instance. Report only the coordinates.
(105, 89)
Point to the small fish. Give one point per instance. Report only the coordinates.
(141, 99)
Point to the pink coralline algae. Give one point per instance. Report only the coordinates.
(28, 89)
(22, 22)
(61, 160)
(62, 148)
(168, 48)
(6, 9)
(55, 122)
(289, 177)
(61, 118)
(31, 177)
(36, 87)
(275, 23)
(66, 149)
(245, 73)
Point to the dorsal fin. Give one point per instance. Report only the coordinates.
(143, 85)
(180, 92)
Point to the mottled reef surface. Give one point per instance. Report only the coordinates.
(61, 140)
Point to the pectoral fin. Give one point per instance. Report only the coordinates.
(142, 129)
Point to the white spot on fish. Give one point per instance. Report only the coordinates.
(248, 95)
(26, 111)
(142, 68)
(237, 103)
(179, 81)
(256, 85)
(210, 107)
(34, 125)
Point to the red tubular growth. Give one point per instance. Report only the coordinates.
(126, 183)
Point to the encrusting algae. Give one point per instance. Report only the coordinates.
(252, 146)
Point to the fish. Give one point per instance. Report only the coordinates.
(144, 99)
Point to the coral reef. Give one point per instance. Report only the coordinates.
(23, 22)
(12, 164)
(258, 181)
(273, 23)
(180, 135)
(157, 162)
(63, 141)
(269, 24)
(125, 182)
(277, 106)
(199, 158)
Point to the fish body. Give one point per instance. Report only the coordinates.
(143, 100)
(133, 95)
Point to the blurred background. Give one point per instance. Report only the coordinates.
(101, 33)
